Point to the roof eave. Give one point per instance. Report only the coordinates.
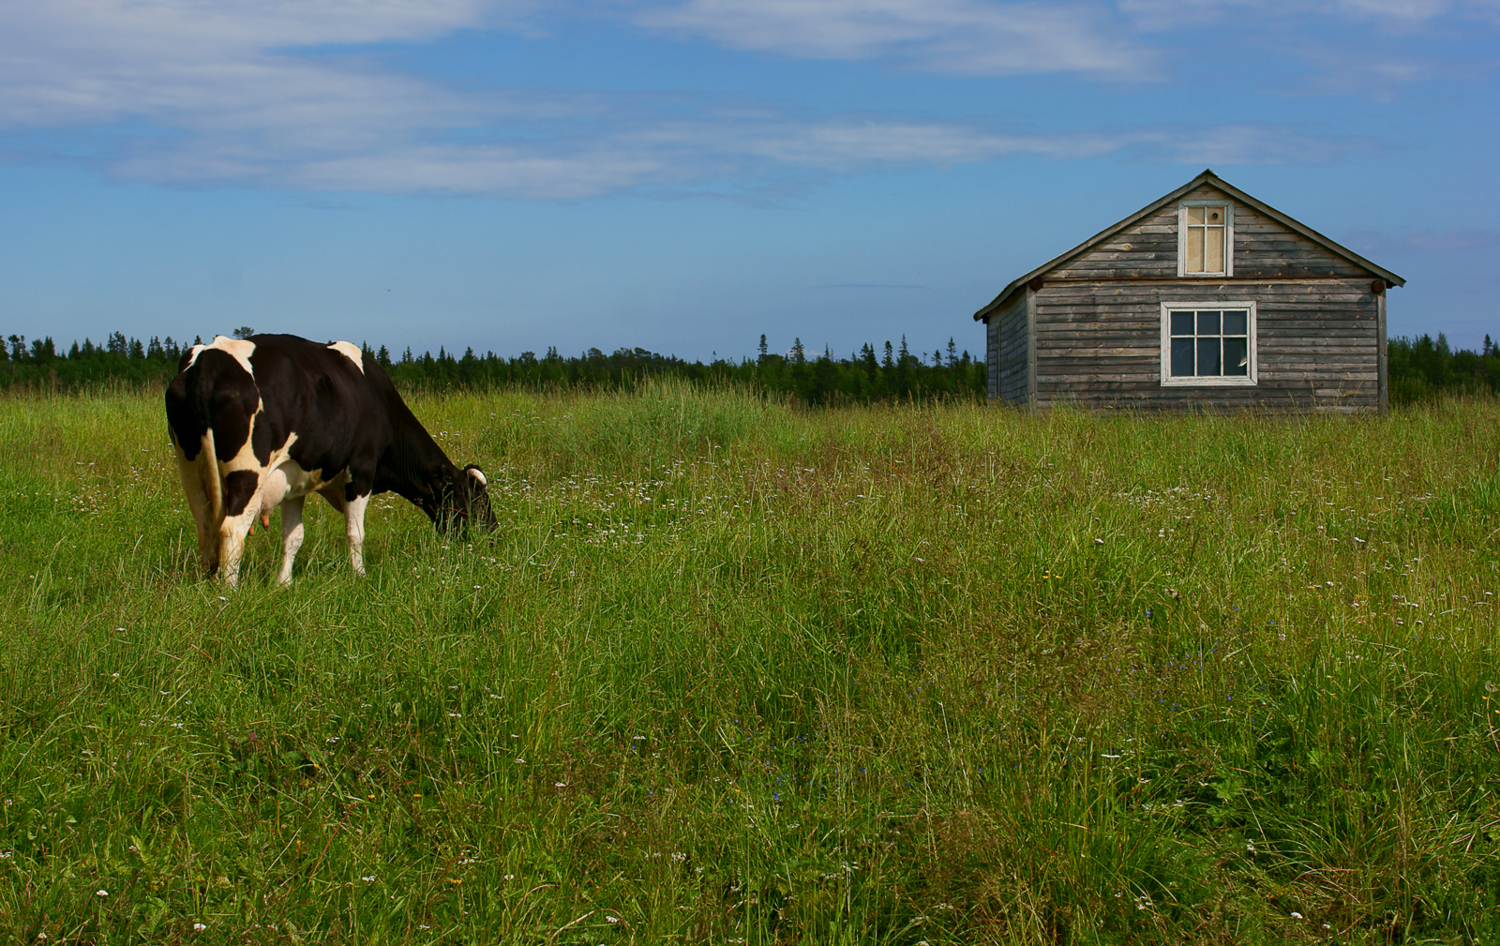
(1094, 240)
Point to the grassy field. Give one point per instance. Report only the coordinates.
(734, 672)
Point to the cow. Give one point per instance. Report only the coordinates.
(266, 420)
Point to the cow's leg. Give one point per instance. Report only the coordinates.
(353, 511)
(334, 493)
(291, 537)
(241, 505)
(354, 528)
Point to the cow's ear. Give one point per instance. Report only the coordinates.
(477, 474)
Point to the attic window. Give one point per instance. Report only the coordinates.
(1208, 343)
(1205, 239)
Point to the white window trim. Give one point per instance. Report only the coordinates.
(1167, 308)
(1182, 226)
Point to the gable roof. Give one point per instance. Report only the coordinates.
(1213, 180)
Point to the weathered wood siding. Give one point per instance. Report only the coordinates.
(1006, 352)
(1098, 320)
(1262, 248)
(1099, 344)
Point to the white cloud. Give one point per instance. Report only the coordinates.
(1176, 14)
(204, 92)
(951, 36)
(69, 61)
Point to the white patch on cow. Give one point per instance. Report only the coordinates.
(193, 355)
(351, 352)
(241, 349)
(478, 475)
(287, 484)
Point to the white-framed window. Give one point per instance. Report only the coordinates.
(1208, 343)
(1205, 238)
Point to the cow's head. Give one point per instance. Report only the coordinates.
(465, 502)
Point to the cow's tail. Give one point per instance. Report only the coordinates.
(208, 475)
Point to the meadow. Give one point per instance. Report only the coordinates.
(737, 671)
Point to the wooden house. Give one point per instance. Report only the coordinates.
(1206, 299)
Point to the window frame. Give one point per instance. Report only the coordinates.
(1252, 375)
(1182, 235)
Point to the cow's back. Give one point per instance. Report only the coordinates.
(317, 397)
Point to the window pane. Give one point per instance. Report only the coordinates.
(1195, 214)
(1237, 357)
(1215, 215)
(1208, 357)
(1194, 249)
(1182, 357)
(1182, 323)
(1208, 324)
(1214, 261)
(1236, 323)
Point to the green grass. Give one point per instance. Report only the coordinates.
(737, 672)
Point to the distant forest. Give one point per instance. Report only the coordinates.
(1420, 368)
(892, 373)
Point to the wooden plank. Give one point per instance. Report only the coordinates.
(1383, 351)
(1315, 347)
(1030, 345)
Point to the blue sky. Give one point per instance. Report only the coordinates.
(684, 175)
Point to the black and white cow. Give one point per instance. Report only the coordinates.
(266, 420)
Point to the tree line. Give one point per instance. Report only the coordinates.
(891, 373)
(1419, 368)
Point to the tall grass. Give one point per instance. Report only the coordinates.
(733, 671)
